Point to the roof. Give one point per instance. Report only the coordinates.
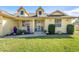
(57, 13)
(63, 15)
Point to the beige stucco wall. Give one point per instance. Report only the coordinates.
(63, 27)
(31, 26)
(47, 22)
(7, 25)
(0, 27)
(1, 30)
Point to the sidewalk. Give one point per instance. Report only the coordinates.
(38, 34)
(32, 35)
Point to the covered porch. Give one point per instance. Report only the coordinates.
(31, 25)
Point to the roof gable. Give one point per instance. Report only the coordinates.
(21, 8)
(58, 13)
(40, 8)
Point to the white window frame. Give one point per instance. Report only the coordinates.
(58, 22)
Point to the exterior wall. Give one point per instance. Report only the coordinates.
(1, 26)
(76, 27)
(0, 29)
(8, 25)
(47, 22)
(31, 26)
(61, 29)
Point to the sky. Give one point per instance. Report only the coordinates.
(71, 10)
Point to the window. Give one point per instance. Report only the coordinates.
(23, 23)
(22, 12)
(58, 22)
(40, 12)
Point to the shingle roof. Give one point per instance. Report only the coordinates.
(34, 14)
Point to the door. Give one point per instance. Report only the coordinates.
(28, 29)
(38, 26)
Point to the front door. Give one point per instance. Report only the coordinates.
(28, 29)
(38, 26)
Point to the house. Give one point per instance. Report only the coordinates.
(33, 22)
(75, 22)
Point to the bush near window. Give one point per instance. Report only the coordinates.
(70, 29)
(51, 29)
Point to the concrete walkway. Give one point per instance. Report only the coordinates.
(32, 35)
(36, 34)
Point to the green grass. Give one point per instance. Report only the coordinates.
(40, 44)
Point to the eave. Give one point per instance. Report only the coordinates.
(31, 18)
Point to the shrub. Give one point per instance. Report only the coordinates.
(70, 29)
(24, 31)
(45, 31)
(51, 29)
(19, 32)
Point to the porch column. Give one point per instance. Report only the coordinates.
(46, 23)
(20, 24)
(33, 25)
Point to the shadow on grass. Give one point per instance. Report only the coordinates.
(50, 37)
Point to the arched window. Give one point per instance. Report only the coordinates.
(40, 12)
(22, 12)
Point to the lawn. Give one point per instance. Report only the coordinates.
(40, 44)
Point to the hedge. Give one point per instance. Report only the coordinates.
(70, 29)
(51, 29)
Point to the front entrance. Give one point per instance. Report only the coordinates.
(28, 29)
(38, 26)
